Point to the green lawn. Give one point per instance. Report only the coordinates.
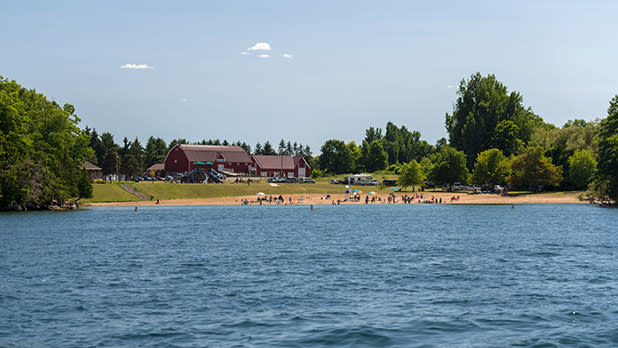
(110, 193)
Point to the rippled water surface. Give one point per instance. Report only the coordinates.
(353, 276)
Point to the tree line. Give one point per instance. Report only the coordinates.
(492, 139)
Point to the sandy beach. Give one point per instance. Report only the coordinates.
(317, 199)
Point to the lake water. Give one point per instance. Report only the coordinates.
(287, 276)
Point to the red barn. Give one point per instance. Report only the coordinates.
(291, 166)
(184, 158)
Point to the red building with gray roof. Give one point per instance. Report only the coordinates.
(289, 166)
(184, 158)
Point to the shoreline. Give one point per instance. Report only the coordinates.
(319, 199)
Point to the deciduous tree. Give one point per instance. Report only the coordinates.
(411, 174)
(491, 167)
(582, 167)
(449, 166)
(532, 168)
(484, 104)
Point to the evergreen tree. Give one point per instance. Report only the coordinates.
(268, 149)
(281, 147)
(155, 151)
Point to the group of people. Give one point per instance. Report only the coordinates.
(270, 199)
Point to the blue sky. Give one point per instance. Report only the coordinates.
(352, 64)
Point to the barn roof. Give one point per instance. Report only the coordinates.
(90, 166)
(274, 162)
(156, 167)
(209, 153)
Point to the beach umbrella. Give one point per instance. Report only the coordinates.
(354, 190)
(346, 186)
(260, 193)
(210, 163)
(395, 189)
(372, 193)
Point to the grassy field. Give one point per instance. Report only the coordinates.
(110, 193)
(165, 190)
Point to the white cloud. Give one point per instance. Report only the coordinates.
(245, 53)
(260, 46)
(451, 86)
(287, 56)
(264, 56)
(136, 66)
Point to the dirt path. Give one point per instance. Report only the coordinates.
(139, 195)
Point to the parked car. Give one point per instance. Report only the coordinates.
(389, 182)
(273, 179)
(169, 178)
(429, 184)
(335, 181)
(306, 180)
(291, 180)
(160, 178)
(457, 186)
(487, 188)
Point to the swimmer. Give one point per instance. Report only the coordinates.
(136, 209)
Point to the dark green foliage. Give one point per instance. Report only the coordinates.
(608, 151)
(532, 168)
(336, 157)
(487, 116)
(400, 144)
(84, 186)
(155, 151)
(377, 158)
(448, 166)
(175, 142)
(267, 149)
(41, 148)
